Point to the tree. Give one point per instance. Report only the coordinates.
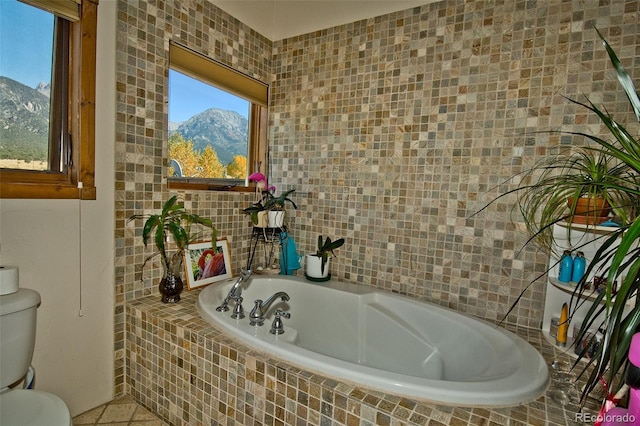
(183, 152)
(238, 167)
(211, 167)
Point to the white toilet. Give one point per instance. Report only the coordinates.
(18, 406)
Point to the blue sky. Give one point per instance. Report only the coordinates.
(189, 96)
(26, 38)
(23, 45)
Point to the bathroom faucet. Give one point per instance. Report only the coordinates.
(256, 317)
(236, 292)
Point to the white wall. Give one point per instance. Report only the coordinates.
(65, 251)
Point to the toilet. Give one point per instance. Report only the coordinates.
(18, 406)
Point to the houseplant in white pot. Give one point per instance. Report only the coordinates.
(317, 264)
(269, 212)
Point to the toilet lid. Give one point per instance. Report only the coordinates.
(23, 407)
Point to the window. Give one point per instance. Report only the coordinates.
(217, 124)
(47, 148)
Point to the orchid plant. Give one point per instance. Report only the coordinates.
(267, 200)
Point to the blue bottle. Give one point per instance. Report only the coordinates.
(579, 266)
(566, 267)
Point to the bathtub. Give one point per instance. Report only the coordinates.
(386, 342)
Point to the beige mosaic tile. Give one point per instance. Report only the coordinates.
(215, 379)
(394, 130)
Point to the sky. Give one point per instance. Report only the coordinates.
(23, 47)
(188, 96)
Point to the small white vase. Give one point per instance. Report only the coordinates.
(275, 218)
(313, 267)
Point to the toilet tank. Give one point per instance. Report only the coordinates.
(17, 334)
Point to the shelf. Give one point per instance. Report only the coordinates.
(568, 349)
(588, 294)
(594, 229)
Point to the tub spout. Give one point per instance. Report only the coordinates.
(236, 291)
(256, 317)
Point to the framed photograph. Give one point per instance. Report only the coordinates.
(205, 265)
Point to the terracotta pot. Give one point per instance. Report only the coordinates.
(588, 210)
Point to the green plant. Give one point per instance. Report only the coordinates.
(549, 192)
(269, 202)
(173, 220)
(326, 247)
(616, 164)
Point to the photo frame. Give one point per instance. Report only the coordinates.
(204, 265)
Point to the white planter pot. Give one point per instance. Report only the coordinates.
(313, 267)
(263, 220)
(275, 218)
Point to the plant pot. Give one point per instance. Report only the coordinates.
(263, 220)
(313, 267)
(275, 218)
(589, 210)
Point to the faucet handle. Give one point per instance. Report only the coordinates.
(255, 317)
(238, 311)
(278, 327)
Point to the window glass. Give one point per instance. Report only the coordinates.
(209, 132)
(26, 57)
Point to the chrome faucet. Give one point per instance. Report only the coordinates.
(235, 293)
(256, 317)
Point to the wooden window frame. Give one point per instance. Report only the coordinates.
(78, 180)
(200, 67)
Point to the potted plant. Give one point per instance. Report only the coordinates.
(268, 212)
(582, 186)
(618, 256)
(173, 221)
(317, 264)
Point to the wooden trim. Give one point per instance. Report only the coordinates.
(29, 184)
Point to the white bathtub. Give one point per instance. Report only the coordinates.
(386, 342)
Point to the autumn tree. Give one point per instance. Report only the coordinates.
(183, 152)
(238, 167)
(210, 164)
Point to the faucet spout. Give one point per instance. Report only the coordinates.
(235, 292)
(256, 317)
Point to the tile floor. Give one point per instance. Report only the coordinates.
(123, 411)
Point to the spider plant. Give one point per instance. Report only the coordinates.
(609, 169)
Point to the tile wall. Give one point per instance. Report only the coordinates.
(393, 130)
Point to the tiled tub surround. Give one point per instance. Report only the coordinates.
(397, 128)
(190, 373)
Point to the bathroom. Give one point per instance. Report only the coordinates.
(398, 183)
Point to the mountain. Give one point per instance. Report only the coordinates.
(24, 121)
(225, 131)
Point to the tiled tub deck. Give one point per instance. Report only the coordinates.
(190, 373)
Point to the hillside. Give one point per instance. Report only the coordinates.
(24, 121)
(225, 131)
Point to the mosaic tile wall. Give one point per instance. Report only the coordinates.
(393, 130)
(189, 373)
(143, 34)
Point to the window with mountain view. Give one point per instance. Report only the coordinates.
(215, 123)
(25, 86)
(47, 98)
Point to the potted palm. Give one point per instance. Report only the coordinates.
(172, 221)
(617, 163)
(317, 264)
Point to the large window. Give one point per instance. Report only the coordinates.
(217, 124)
(47, 97)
